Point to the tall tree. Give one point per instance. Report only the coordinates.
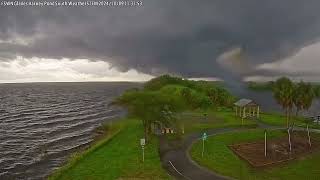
(316, 90)
(308, 96)
(303, 96)
(283, 92)
(299, 96)
(150, 107)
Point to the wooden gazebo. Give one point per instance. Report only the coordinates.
(247, 108)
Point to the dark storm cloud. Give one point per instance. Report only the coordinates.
(181, 36)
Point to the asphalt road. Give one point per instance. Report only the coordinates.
(178, 163)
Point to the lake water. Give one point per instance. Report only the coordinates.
(268, 104)
(42, 123)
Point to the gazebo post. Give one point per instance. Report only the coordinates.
(243, 115)
(246, 108)
(236, 111)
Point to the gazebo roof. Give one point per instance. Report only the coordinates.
(245, 102)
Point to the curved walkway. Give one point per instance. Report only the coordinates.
(179, 164)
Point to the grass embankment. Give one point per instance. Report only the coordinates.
(219, 158)
(196, 121)
(117, 156)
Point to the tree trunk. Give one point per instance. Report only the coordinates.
(297, 111)
(289, 114)
(149, 128)
(146, 133)
(287, 117)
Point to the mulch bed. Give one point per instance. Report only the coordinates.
(278, 150)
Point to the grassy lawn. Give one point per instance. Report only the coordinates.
(195, 121)
(119, 157)
(219, 158)
(278, 119)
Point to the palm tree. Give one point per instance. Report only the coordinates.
(299, 96)
(303, 96)
(283, 92)
(316, 90)
(308, 96)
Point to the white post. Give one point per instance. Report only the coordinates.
(265, 143)
(244, 112)
(309, 135)
(142, 143)
(183, 128)
(258, 112)
(289, 139)
(202, 147)
(142, 153)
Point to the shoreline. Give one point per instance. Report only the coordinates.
(103, 134)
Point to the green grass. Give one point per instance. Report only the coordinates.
(195, 121)
(118, 157)
(278, 119)
(219, 158)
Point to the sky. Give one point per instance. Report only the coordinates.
(228, 40)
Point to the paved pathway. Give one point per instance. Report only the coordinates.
(178, 163)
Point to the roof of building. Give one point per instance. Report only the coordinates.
(244, 102)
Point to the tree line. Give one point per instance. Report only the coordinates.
(163, 97)
(290, 96)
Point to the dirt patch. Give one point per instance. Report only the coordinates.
(278, 150)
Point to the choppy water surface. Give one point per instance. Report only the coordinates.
(42, 123)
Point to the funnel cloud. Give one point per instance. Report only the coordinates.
(211, 38)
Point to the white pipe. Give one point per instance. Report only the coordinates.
(289, 139)
(142, 154)
(309, 135)
(265, 143)
(202, 147)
